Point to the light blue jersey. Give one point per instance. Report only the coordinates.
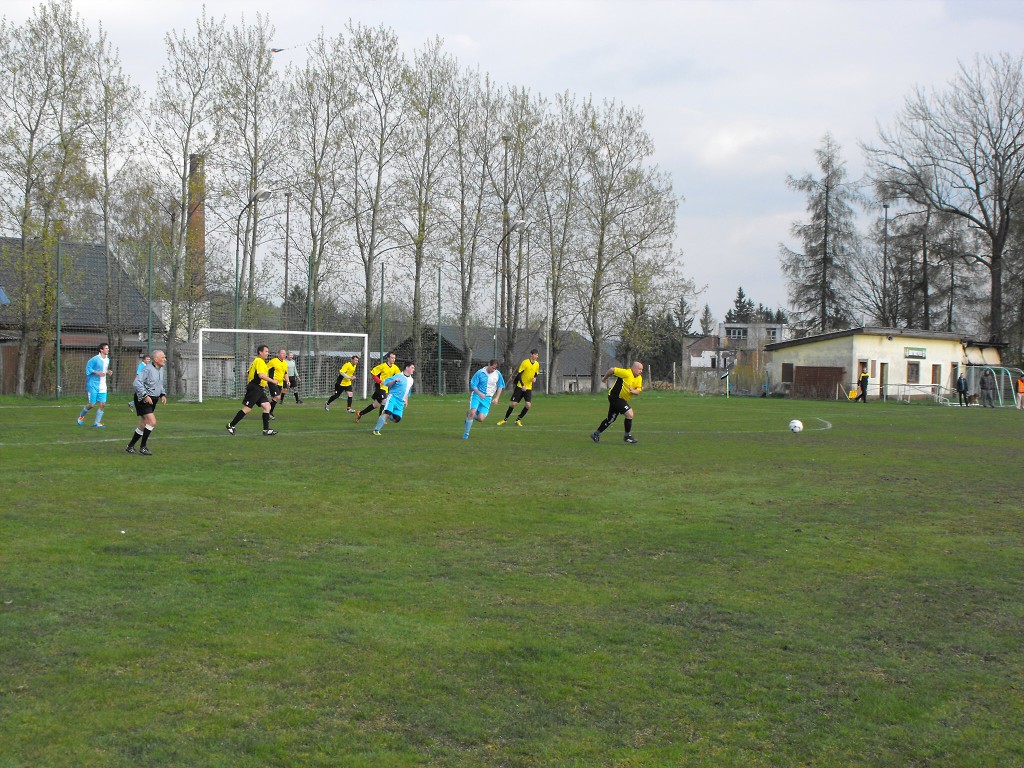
(399, 386)
(95, 383)
(487, 383)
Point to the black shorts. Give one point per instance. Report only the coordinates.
(274, 388)
(379, 395)
(295, 382)
(522, 394)
(255, 395)
(617, 405)
(142, 408)
(338, 388)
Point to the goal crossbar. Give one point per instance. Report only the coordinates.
(365, 359)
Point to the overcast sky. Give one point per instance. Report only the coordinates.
(737, 93)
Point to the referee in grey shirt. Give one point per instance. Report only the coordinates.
(149, 387)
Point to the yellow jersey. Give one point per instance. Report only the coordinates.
(624, 381)
(276, 369)
(383, 371)
(347, 372)
(528, 371)
(259, 365)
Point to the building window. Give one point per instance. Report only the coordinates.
(787, 373)
(937, 374)
(913, 373)
(735, 333)
(772, 334)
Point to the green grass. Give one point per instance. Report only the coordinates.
(725, 593)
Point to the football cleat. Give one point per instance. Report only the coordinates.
(99, 426)
(269, 432)
(231, 430)
(145, 452)
(327, 407)
(130, 449)
(272, 416)
(350, 410)
(595, 436)
(376, 432)
(501, 422)
(630, 439)
(519, 422)
(359, 416)
(81, 421)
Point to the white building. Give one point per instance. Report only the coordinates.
(901, 363)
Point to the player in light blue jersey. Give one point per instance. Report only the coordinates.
(96, 372)
(487, 385)
(399, 388)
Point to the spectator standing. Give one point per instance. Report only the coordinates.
(988, 389)
(961, 390)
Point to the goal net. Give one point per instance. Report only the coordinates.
(220, 360)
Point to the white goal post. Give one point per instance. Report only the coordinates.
(223, 356)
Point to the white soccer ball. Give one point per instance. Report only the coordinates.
(796, 426)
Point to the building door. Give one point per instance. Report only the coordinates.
(883, 380)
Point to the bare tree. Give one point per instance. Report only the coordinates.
(251, 137)
(320, 97)
(558, 167)
(430, 91)
(183, 123)
(623, 218)
(44, 106)
(961, 151)
(819, 276)
(112, 133)
(375, 136)
(473, 114)
(522, 121)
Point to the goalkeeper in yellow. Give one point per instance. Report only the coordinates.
(628, 382)
(523, 388)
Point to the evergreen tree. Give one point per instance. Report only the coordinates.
(819, 276)
(707, 321)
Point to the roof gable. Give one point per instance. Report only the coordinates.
(83, 288)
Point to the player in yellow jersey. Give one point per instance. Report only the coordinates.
(628, 383)
(523, 387)
(380, 373)
(256, 391)
(343, 384)
(277, 369)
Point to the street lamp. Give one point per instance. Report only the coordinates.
(258, 196)
(514, 227)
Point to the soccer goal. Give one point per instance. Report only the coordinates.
(221, 359)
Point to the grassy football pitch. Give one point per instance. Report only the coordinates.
(724, 593)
